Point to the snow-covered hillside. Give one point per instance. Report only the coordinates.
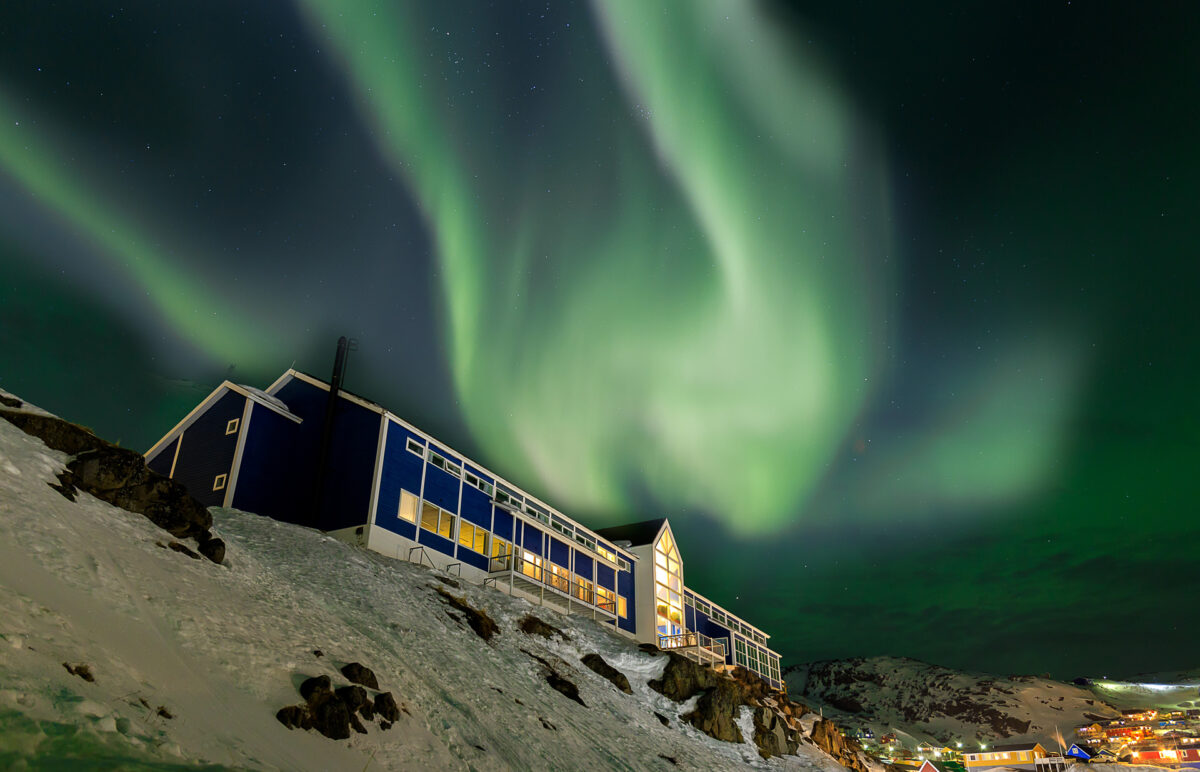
(191, 660)
(930, 702)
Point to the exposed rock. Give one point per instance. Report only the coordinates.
(82, 670)
(649, 648)
(683, 678)
(771, 734)
(213, 549)
(605, 670)
(10, 401)
(564, 687)
(385, 706)
(663, 719)
(483, 625)
(294, 717)
(360, 674)
(353, 696)
(330, 717)
(385, 725)
(546, 724)
(447, 580)
(318, 653)
(116, 475)
(716, 712)
(355, 724)
(162, 712)
(826, 736)
(65, 485)
(673, 761)
(531, 625)
(183, 548)
(315, 687)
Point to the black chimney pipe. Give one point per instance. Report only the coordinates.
(335, 386)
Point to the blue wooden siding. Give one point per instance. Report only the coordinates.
(277, 463)
(626, 587)
(583, 564)
(502, 525)
(435, 542)
(161, 463)
(401, 471)
(476, 507)
(605, 576)
(207, 451)
(441, 488)
(560, 554)
(472, 558)
(532, 540)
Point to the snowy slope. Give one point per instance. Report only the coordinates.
(222, 647)
(929, 702)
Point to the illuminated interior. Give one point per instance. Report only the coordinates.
(668, 586)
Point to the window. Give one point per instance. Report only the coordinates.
(408, 507)
(622, 607)
(668, 587)
(415, 447)
(232, 426)
(531, 565)
(583, 591)
(500, 547)
(219, 482)
(437, 520)
(560, 578)
(605, 598)
(473, 538)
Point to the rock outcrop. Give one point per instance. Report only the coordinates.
(120, 477)
(600, 667)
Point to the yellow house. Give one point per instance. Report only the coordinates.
(1017, 756)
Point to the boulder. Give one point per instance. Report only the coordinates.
(354, 697)
(316, 688)
(771, 734)
(716, 712)
(601, 668)
(531, 625)
(682, 678)
(213, 549)
(385, 706)
(360, 674)
(483, 625)
(826, 736)
(116, 475)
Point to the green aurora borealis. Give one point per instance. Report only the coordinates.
(895, 327)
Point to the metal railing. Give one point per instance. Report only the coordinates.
(421, 556)
(567, 584)
(692, 640)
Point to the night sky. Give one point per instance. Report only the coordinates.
(892, 309)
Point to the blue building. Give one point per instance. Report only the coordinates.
(389, 487)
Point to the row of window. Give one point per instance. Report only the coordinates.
(515, 501)
(476, 538)
(717, 615)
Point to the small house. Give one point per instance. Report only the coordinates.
(1013, 756)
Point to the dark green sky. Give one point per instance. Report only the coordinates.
(891, 309)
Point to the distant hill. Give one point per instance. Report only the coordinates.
(929, 702)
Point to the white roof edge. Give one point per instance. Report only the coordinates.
(186, 421)
(264, 399)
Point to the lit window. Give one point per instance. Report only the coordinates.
(560, 579)
(605, 598)
(437, 520)
(531, 565)
(408, 507)
(232, 426)
(500, 548)
(668, 584)
(219, 482)
(622, 608)
(473, 538)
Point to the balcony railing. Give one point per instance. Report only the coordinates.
(566, 584)
(692, 640)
